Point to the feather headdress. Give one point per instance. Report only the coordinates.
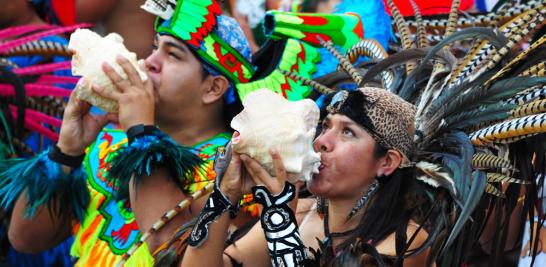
(33, 85)
(480, 115)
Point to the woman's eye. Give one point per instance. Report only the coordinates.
(348, 132)
(324, 126)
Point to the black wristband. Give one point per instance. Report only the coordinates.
(215, 206)
(217, 203)
(140, 130)
(56, 155)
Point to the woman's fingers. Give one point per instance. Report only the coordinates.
(280, 171)
(262, 177)
(256, 171)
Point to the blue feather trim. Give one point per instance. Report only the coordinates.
(145, 154)
(328, 63)
(376, 22)
(45, 184)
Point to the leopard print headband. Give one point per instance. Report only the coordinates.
(389, 119)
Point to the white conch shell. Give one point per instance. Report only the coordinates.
(90, 51)
(270, 121)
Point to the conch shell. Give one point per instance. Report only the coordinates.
(270, 121)
(90, 51)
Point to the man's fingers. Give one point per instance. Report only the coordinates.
(83, 106)
(102, 120)
(121, 83)
(76, 107)
(107, 94)
(112, 117)
(72, 100)
(149, 86)
(129, 69)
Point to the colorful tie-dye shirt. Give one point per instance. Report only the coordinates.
(109, 228)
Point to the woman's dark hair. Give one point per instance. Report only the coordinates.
(379, 151)
(388, 212)
(399, 198)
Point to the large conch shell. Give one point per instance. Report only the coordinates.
(270, 121)
(90, 51)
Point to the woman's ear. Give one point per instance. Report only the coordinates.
(389, 163)
(214, 88)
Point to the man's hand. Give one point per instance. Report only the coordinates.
(79, 128)
(136, 98)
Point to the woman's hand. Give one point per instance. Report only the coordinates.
(136, 98)
(235, 182)
(260, 176)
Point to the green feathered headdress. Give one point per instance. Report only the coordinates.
(343, 30)
(217, 40)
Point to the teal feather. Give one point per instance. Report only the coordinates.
(454, 165)
(477, 189)
(144, 155)
(45, 184)
(7, 131)
(499, 91)
(504, 89)
(456, 156)
(455, 93)
(486, 113)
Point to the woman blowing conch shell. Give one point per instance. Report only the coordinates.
(90, 52)
(269, 121)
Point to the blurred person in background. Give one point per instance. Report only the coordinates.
(124, 17)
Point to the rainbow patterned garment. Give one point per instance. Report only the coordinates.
(109, 228)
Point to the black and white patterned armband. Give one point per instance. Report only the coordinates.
(280, 227)
(217, 203)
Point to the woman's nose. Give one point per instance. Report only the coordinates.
(323, 143)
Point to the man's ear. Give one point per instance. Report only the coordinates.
(215, 87)
(389, 163)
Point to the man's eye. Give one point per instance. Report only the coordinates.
(174, 55)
